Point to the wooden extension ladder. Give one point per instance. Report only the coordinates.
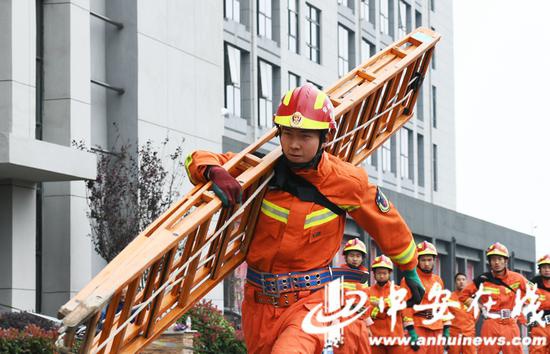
(191, 247)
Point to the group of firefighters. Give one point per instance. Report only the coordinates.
(458, 327)
(300, 229)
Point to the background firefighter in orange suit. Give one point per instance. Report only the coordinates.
(355, 252)
(382, 268)
(301, 225)
(502, 284)
(464, 323)
(543, 291)
(427, 254)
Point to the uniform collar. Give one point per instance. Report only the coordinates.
(314, 174)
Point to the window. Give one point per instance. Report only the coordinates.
(367, 49)
(343, 50)
(313, 30)
(420, 152)
(265, 94)
(406, 161)
(386, 23)
(432, 5)
(373, 159)
(346, 3)
(232, 10)
(366, 11)
(434, 106)
(434, 167)
(233, 80)
(389, 156)
(404, 25)
(420, 104)
(293, 20)
(316, 85)
(293, 80)
(433, 54)
(264, 18)
(418, 19)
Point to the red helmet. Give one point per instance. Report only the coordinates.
(355, 245)
(305, 107)
(426, 248)
(543, 260)
(382, 262)
(497, 249)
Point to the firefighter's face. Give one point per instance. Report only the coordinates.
(460, 282)
(381, 275)
(426, 262)
(354, 259)
(299, 145)
(545, 270)
(498, 263)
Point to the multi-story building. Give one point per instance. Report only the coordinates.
(212, 73)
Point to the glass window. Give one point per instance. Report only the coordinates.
(315, 84)
(389, 161)
(346, 3)
(406, 136)
(313, 30)
(420, 104)
(404, 25)
(293, 80)
(420, 153)
(366, 13)
(343, 51)
(434, 106)
(385, 18)
(373, 159)
(418, 19)
(233, 80)
(264, 18)
(265, 94)
(432, 5)
(367, 49)
(433, 54)
(434, 167)
(293, 20)
(232, 10)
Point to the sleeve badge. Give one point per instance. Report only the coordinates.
(382, 201)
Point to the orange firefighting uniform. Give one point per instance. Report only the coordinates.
(504, 300)
(382, 321)
(462, 325)
(538, 330)
(423, 330)
(292, 235)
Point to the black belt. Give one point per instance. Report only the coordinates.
(276, 284)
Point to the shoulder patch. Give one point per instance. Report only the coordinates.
(382, 201)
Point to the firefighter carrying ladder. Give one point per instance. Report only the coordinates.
(183, 254)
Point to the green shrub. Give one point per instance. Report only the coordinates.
(214, 333)
(32, 339)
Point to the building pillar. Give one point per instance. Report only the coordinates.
(18, 240)
(17, 118)
(67, 250)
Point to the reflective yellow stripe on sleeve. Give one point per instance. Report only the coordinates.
(406, 256)
(188, 161)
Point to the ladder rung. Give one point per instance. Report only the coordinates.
(399, 52)
(369, 76)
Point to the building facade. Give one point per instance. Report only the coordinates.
(209, 73)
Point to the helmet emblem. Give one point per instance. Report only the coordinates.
(296, 120)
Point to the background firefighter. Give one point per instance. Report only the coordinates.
(501, 284)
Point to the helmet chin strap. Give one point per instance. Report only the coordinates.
(426, 271)
(382, 283)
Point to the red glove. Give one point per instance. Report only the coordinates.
(225, 186)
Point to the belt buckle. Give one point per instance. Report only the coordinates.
(274, 291)
(505, 314)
